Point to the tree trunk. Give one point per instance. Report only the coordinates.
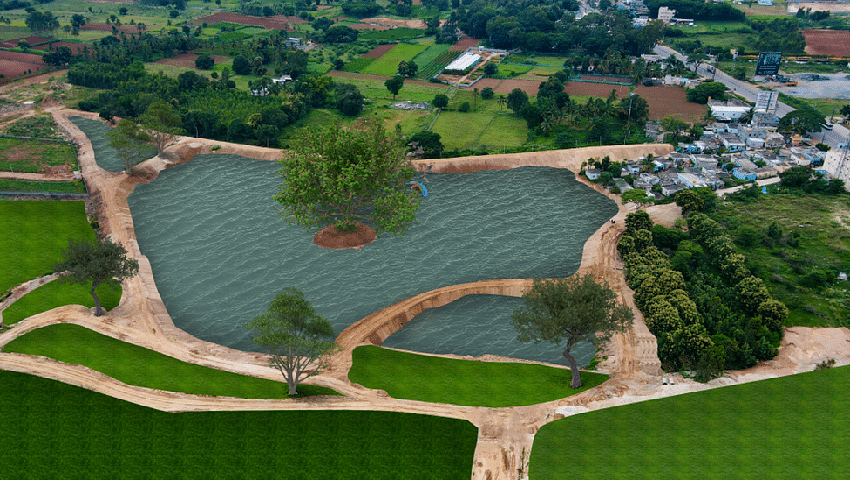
(98, 311)
(290, 380)
(576, 381)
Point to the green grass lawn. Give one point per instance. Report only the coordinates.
(785, 428)
(55, 294)
(33, 236)
(52, 430)
(135, 365)
(463, 382)
(375, 91)
(36, 186)
(824, 244)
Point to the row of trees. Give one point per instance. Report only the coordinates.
(698, 298)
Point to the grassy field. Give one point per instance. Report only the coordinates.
(388, 63)
(18, 155)
(463, 382)
(56, 294)
(33, 235)
(784, 428)
(139, 366)
(461, 130)
(505, 130)
(62, 431)
(36, 186)
(824, 245)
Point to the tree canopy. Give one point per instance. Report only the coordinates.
(131, 143)
(96, 261)
(297, 338)
(337, 177)
(802, 121)
(571, 310)
(394, 84)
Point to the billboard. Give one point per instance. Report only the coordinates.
(768, 63)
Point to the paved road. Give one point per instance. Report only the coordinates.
(836, 137)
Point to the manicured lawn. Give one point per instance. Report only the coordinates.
(55, 294)
(135, 365)
(463, 382)
(33, 236)
(785, 428)
(52, 430)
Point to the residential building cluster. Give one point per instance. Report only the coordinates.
(726, 151)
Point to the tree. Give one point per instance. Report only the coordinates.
(204, 62)
(795, 177)
(340, 34)
(161, 124)
(295, 336)
(702, 92)
(131, 143)
(801, 121)
(336, 176)
(349, 100)
(517, 99)
(429, 142)
(487, 93)
(394, 84)
(41, 22)
(637, 221)
(241, 65)
(440, 101)
(490, 69)
(638, 196)
(574, 309)
(97, 262)
(845, 112)
(407, 69)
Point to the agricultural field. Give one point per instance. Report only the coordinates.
(387, 64)
(827, 42)
(460, 130)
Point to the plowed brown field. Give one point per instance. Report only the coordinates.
(378, 51)
(827, 42)
(187, 60)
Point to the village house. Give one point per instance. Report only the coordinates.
(592, 174)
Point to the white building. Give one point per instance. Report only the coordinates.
(666, 15)
(463, 62)
(837, 163)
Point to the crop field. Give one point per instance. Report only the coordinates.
(827, 42)
(435, 66)
(391, 35)
(508, 69)
(463, 44)
(461, 130)
(379, 51)
(506, 130)
(187, 60)
(373, 88)
(388, 63)
(358, 64)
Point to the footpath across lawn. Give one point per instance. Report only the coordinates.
(53, 430)
(793, 427)
(463, 382)
(139, 366)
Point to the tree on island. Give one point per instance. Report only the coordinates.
(339, 177)
(96, 261)
(575, 309)
(295, 336)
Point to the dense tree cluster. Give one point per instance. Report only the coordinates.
(543, 26)
(708, 312)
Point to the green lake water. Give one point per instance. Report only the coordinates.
(220, 252)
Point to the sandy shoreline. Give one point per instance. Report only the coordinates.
(141, 318)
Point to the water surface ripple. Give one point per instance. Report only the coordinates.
(220, 253)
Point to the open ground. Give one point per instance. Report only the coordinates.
(835, 43)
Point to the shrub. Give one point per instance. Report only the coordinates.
(464, 107)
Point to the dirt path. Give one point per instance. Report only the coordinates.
(141, 319)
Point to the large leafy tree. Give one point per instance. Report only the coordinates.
(802, 121)
(41, 22)
(161, 124)
(96, 262)
(336, 176)
(394, 84)
(571, 310)
(298, 339)
(131, 143)
(517, 99)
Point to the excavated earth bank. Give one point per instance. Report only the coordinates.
(141, 318)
